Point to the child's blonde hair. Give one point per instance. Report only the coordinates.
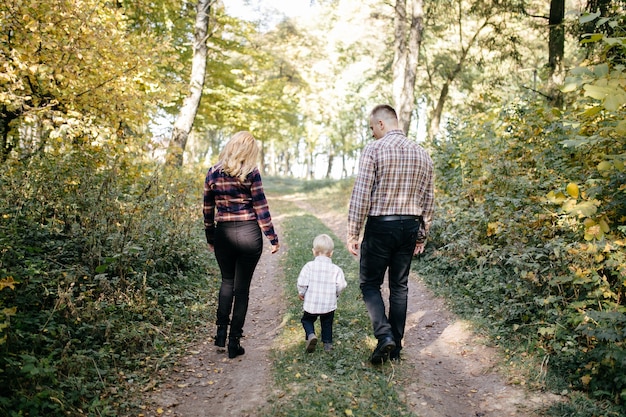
(323, 245)
(239, 156)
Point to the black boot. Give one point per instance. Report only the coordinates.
(234, 348)
(220, 337)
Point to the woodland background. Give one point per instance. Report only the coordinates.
(111, 111)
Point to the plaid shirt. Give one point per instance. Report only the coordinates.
(395, 178)
(226, 199)
(321, 282)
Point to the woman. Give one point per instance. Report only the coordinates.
(235, 213)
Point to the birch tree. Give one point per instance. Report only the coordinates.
(184, 121)
(409, 26)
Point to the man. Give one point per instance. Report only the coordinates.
(394, 192)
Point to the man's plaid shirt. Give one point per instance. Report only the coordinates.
(395, 178)
(226, 199)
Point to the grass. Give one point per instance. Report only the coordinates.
(341, 382)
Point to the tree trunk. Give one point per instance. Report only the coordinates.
(329, 168)
(435, 119)
(556, 48)
(406, 58)
(187, 115)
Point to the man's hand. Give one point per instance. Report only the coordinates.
(353, 246)
(419, 248)
(211, 247)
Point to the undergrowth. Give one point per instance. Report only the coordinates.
(109, 281)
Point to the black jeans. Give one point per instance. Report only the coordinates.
(387, 245)
(238, 248)
(326, 322)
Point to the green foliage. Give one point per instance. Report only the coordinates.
(530, 230)
(105, 258)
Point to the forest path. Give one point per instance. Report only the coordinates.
(446, 371)
(206, 383)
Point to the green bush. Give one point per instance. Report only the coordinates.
(522, 240)
(109, 270)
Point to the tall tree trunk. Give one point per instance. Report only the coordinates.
(406, 58)
(187, 115)
(329, 168)
(556, 48)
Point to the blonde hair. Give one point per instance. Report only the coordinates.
(323, 245)
(239, 155)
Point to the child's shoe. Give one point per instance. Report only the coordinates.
(328, 347)
(311, 342)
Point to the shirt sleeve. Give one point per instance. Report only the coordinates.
(341, 281)
(208, 208)
(428, 205)
(303, 280)
(261, 208)
(361, 199)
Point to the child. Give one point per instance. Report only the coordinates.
(319, 284)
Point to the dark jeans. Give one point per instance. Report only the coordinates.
(326, 321)
(387, 245)
(238, 248)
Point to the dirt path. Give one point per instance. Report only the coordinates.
(446, 371)
(208, 384)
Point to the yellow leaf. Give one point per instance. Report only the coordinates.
(9, 311)
(8, 282)
(604, 166)
(493, 228)
(556, 198)
(348, 412)
(589, 223)
(572, 190)
(298, 375)
(604, 226)
(585, 379)
(159, 410)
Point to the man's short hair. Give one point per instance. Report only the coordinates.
(384, 112)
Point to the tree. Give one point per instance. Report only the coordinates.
(556, 50)
(62, 62)
(408, 39)
(187, 115)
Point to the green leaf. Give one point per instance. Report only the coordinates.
(584, 208)
(601, 70)
(597, 92)
(614, 101)
(591, 37)
(614, 41)
(588, 17)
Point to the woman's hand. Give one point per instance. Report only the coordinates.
(275, 247)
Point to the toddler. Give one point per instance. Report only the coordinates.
(319, 284)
